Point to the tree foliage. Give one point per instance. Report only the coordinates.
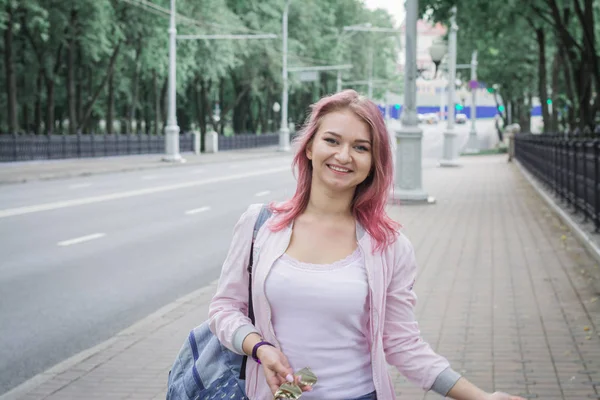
(102, 65)
(542, 48)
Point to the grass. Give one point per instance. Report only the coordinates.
(499, 150)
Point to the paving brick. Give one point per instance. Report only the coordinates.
(501, 295)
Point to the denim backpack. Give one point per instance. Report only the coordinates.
(205, 369)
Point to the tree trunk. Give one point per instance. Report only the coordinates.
(147, 108)
(71, 73)
(11, 79)
(37, 118)
(555, 89)
(200, 97)
(222, 103)
(110, 113)
(586, 19)
(156, 97)
(542, 78)
(79, 85)
(50, 106)
(136, 86)
(584, 92)
(163, 103)
(88, 109)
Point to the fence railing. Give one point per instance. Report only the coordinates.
(570, 167)
(51, 147)
(247, 140)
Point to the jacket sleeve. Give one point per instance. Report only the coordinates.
(228, 310)
(404, 348)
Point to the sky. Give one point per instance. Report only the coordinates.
(394, 7)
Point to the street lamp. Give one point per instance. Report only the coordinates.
(437, 51)
(450, 155)
(408, 176)
(172, 129)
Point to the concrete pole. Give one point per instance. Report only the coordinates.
(172, 129)
(408, 174)
(450, 156)
(284, 132)
(339, 81)
(473, 143)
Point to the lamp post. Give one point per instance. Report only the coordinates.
(437, 51)
(450, 155)
(284, 131)
(473, 143)
(367, 27)
(172, 129)
(408, 174)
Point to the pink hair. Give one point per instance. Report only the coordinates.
(370, 197)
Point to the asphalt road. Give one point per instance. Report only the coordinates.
(84, 258)
(73, 274)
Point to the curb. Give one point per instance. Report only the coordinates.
(238, 155)
(63, 366)
(582, 235)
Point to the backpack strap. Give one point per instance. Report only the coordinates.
(263, 216)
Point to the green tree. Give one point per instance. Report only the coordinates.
(101, 65)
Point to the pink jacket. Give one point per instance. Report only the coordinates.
(394, 334)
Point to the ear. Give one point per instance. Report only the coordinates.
(309, 149)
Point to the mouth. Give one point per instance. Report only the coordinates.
(339, 170)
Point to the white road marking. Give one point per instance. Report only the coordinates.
(81, 239)
(261, 194)
(150, 177)
(9, 212)
(197, 210)
(80, 185)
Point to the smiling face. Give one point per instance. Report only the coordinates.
(341, 151)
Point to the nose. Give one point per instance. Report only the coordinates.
(343, 155)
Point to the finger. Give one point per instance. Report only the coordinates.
(274, 389)
(273, 384)
(285, 373)
(281, 380)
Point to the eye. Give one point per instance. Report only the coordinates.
(330, 140)
(362, 148)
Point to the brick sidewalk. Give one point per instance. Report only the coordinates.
(19, 172)
(505, 293)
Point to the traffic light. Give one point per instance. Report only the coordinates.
(549, 102)
(397, 106)
(490, 90)
(459, 107)
(501, 108)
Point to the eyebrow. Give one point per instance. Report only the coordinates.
(338, 135)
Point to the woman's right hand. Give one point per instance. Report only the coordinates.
(276, 368)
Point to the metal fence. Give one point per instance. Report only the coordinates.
(570, 167)
(51, 147)
(247, 140)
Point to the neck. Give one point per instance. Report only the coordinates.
(328, 204)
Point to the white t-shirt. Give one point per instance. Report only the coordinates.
(320, 316)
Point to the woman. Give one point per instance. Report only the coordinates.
(333, 276)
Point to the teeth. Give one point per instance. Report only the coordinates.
(339, 169)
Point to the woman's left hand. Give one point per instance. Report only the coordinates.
(502, 396)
